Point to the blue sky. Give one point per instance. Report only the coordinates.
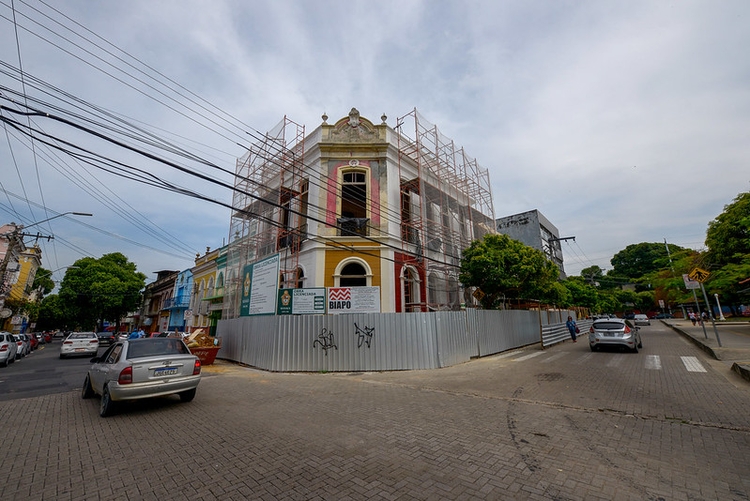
(622, 122)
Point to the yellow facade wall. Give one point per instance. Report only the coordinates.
(335, 254)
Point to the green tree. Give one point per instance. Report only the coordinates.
(52, 314)
(728, 255)
(505, 268)
(592, 274)
(728, 236)
(637, 260)
(582, 293)
(101, 289)
(43, 281)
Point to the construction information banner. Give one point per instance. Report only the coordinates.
(354, 300)
(260, 284)
(302, 301)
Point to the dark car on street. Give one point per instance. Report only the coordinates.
(106, 338)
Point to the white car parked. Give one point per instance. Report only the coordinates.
(24, 345)
(142, 368)
(8, 348)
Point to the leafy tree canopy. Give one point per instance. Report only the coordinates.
(43, 281)
(101, 289)
(582, 293)
(502, 267)
(592, 273)
(728, 236)
(637, 260)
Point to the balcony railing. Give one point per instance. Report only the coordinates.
(176, 302)
(352, 226)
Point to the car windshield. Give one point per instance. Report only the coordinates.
(82, 335)
(609, 325)
(150, 347)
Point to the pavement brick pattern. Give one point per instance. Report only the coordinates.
(580, 425)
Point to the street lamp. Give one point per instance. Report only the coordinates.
(721, 313)
(15, 245)
(59, 215)
(50, 273)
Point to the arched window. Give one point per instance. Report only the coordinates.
(352, 272)
(410, 289)
(300, 278)
(353, 275)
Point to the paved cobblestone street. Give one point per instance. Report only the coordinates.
(563, 423)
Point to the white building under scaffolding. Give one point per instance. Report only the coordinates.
(356, 203)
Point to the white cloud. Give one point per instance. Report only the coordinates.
(621, 122)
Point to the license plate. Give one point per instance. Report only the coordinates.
(167, 371)
(80, 349)
(609, 334)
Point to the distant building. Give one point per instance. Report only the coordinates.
(154, 316)
(208, 290)
(535, 230)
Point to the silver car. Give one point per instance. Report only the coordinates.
(142, 368)
(79, 343)
(614, 332)
(641, 319)
(8, 349)
(24, 345)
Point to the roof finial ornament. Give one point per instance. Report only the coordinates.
(325, 118)
(354, 118)
(384, 118)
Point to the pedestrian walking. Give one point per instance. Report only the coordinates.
(573, 328)
(691, 316)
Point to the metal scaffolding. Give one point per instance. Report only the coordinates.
(268, 182)
(446, 202)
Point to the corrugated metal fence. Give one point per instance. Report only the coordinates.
(378, 341)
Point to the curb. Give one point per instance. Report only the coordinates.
(695, 341)
(742, 369)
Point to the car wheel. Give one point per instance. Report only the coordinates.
(635, 348)
(87, 391)
(4, 363)
(187, 396)
(106, 405)
(62, 356)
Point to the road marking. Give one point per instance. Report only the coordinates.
(692, 364)
(526, 357)
(653, 362)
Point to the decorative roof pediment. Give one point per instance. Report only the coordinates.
(354, 129)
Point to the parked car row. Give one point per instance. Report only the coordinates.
(16, 346)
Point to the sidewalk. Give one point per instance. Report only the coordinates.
(734, 336)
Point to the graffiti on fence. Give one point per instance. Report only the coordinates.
(325, 340)
(364, 334)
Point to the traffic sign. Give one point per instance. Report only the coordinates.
(699, 275)
(689, 283)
